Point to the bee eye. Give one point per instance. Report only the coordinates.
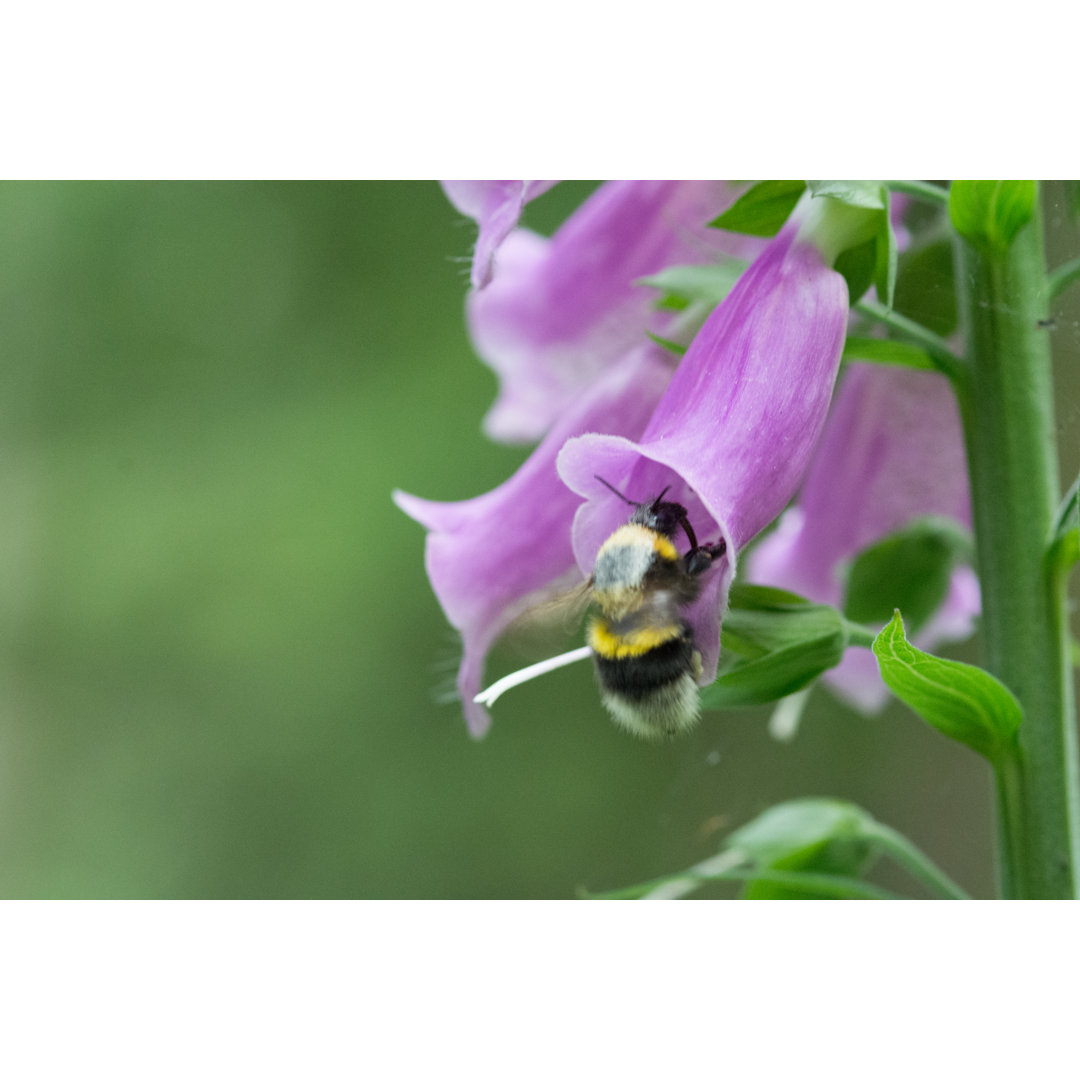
(667, 517)
(667, 520)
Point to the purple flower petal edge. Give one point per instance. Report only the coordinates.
(496, 207)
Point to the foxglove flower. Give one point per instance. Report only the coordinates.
(495, 205)
(892, 451)
(735, 430)
(561, 311)
(488, 557)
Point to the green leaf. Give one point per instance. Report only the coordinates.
(886, 351)
(804, 849)
(925, 289)
(796, 826)
(963, 702)
(774, 643)
(775, 675)
(763, 209)
(685, 285)
(989, 213)
(797, 885)
(827, 837)
(822, 836)
(907, 570)
(815, 879)
(761, 618)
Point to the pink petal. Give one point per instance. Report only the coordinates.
(496, 207)
(488, 557)
(736, 427)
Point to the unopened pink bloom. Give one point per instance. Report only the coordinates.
(495, 205)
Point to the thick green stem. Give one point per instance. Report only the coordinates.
(1006, 400)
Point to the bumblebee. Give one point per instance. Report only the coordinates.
(643, 648)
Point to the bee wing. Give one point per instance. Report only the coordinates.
(554, 613)
(565, 608)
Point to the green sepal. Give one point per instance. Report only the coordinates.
(821, 836)
(857, 266)
(773, 643)
(666, 343)
(907, 570)
(864, 194)
(963, 702)
(925, 287)
(873, 261)
(763, 209)
(887, 351)
(886, 262)
(989, 213)
(671, 303)
(681, 286)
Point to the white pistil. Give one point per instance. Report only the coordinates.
(516, 678)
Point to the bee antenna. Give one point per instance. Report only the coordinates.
(616, 491)
(659, 498)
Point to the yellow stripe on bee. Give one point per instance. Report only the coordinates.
(665, 548)
(636, 534)
(611, 646)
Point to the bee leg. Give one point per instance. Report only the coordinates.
(701, 558)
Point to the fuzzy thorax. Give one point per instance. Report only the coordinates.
(622, 563)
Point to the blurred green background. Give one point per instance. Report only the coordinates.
(221, 655)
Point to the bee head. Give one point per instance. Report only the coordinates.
(665, 518)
